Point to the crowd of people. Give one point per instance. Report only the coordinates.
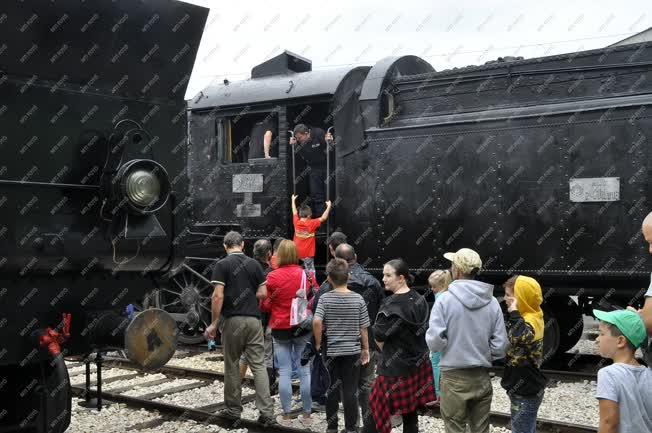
(384, 352)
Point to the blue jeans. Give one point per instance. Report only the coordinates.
(285, 351)
(435, 357)
(524, 413)
(295, 372)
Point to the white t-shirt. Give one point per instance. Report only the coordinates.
(631, 387)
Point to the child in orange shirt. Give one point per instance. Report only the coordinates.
(305, 228)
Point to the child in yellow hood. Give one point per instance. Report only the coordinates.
(522, 378)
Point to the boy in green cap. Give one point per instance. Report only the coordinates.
(625, 387)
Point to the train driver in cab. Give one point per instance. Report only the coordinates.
(312, 148)
(263, 140)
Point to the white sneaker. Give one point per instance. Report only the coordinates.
(285, 422)
(306, 421)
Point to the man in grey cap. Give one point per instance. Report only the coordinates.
(467, 327)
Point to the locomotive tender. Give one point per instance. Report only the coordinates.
(93, 137)
(541, 165)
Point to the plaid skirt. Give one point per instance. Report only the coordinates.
(401, 395)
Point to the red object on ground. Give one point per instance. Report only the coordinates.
(53, 339)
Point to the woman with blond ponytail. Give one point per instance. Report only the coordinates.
(438, 281)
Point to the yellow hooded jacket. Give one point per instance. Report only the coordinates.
(525, 328)
(529, 297)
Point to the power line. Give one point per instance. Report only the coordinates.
(360, 63)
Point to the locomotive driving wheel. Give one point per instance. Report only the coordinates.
(187, 298)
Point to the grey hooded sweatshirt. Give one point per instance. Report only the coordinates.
(467, 326)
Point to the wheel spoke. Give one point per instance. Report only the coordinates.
(205, 308)
(206, 293)
(180, 286)
(172, 291)
(176, 301)
(194, 272)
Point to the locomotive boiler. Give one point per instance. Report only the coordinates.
(93, 137)
(541, 165)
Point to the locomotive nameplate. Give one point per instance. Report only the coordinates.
(592, 189)
(248, 182)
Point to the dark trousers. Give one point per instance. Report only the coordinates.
(344, 372)
(317, 180)
(365, 384)
(410, 424)
(319, 379)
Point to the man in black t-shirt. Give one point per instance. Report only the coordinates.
(312, 148)
(239, 284)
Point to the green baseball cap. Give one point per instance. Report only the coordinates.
(628, 322)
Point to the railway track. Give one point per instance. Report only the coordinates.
(207, 414)
(587, 363)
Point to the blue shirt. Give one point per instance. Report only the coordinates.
(631, 387)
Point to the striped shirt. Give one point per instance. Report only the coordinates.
(343, 314)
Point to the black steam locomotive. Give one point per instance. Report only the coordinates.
(94, 143)
(542, 165)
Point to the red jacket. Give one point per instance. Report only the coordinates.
(282, 286)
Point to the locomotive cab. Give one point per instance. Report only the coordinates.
(233, 183)
(233, 186)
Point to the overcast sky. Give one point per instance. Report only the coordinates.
(242, 34)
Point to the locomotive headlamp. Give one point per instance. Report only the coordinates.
(144, 185)
(143, 188)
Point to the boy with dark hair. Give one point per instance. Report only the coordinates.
(624, 387)
(344, 314)
(319, 379)
(305, 228)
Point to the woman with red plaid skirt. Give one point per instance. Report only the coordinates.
(404, 381)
